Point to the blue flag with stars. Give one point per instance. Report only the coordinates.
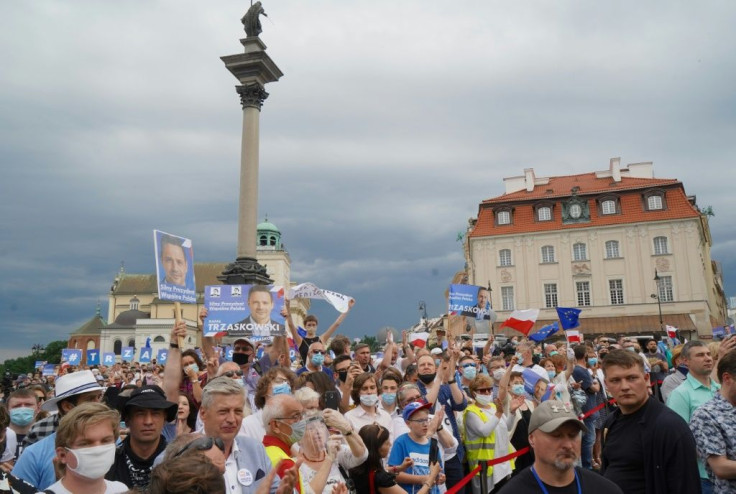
(569, 317)
(545, 332)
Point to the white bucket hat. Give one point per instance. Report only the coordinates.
(72, 384)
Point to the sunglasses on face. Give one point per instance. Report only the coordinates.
(203, 444)
(233, 373)
(483, 391)
(318, 352)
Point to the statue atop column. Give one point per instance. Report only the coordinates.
(251, 20)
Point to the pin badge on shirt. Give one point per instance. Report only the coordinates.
(245, 477)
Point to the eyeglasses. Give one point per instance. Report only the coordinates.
(420, 421)
(295, 417)
(203, 444)
(483, 391)
(233, 373)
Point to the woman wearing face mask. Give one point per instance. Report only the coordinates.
(326, 458)
(560, 371)
(519, 410)
(193, 376)
(600, 397)
(365, 394)
(85, 450)
(486, 433)
(278, 380)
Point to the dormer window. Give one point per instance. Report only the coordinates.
(503, 217)
(654, 200)
(608, 206)
(544, 213)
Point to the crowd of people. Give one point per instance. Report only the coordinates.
(604, 416)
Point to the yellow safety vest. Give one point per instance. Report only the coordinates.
(483, 448)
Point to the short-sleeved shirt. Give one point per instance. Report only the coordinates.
(590, 481)
(714, 429)
(381, 480)
(406, 447)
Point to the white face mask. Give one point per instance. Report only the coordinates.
(498, 374)
(484, 399)
(369, 400)
(93, 463)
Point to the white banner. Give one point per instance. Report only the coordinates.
(310, 290)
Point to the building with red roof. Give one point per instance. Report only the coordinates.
(596, 241)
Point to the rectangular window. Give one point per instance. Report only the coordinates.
(504, 217)
(504, 257)
(654, 202)
(548, 254)
(507, 297)
(583, 290)
(660, 245)
(612, 251)
(579, 252)
(544, 214)
(666, 293)
(616, 287)
(608, 207)
(550, 295)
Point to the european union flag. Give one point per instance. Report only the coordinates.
(545, 332)
(302, 332)
(569, 317)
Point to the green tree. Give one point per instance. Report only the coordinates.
(372, 342)
(52, 353)
(24, 365)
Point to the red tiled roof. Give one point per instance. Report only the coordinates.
(628, 190)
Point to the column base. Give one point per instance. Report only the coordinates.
(245, 271)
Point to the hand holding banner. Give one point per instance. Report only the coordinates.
(310, 290)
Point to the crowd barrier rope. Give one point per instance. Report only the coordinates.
(495, 461)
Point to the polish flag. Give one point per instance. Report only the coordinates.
(522, 320)
(573, 336)
(419, 339)
(671, 331)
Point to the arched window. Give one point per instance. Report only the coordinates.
(504, 257)
(548, 254)
(91, 344)
(117, 347)
(612, 251)
(660, 246)
(579, 252)
(131, 342)
(159, 339)
(263, 240)
(272, 240)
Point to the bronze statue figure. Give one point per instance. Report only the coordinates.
(251, 19)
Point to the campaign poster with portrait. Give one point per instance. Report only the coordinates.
(470, 300)
(174, 268)
(252, 311)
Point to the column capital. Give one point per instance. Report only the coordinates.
(251, 95)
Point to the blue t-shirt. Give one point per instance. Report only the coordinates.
(406, 447)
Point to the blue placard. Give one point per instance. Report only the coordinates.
(470, 300)
(250, 311)
(128, 354)
(49, 370)
(174, 268)
(93, 357)
(71, 356)
(108, 358)
(162, 356)
(229, 353)
(39, 364)
(145, 355)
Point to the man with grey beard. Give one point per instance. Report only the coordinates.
(555, 437)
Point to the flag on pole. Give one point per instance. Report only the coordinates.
(522, 320)
(573, 336)
(419, 339)
(671, 331)
(545, 332)
(569, 317)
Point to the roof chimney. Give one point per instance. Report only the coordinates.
(615, 169)
(529, 179)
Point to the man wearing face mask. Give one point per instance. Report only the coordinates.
(23, 406)
(283, 418)
(85, 450)
(525, 356)
(315, 359)
(13, 484)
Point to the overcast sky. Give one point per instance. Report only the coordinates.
(392, 122)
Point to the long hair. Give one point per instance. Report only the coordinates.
(373, 437)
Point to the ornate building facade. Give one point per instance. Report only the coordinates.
(617, 243)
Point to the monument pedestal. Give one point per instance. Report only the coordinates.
(254, 69)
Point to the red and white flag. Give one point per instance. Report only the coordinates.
(419, 339)
(522, 320)
(573, 336)
(671, 331)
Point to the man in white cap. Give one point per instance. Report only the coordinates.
(555, 437)
(35, 464)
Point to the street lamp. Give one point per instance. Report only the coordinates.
(37, 348)
(659, 302)
(423, 310)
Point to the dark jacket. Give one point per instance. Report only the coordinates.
(670, 458)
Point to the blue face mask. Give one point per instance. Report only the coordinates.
(437, 362)
(388, 398)
(297, 431)
(318, 359)
(282, 389)
(517, 389)
(22, 416)
(470, 373)
(551, 374)
(195, 367)
(519, 357)
(592, 361)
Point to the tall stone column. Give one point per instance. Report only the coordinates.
(254, 69)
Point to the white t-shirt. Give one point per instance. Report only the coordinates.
(10, 446)
(113, 487)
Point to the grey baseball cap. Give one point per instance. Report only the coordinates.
(551, 414)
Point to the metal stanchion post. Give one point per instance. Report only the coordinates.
(483, 476)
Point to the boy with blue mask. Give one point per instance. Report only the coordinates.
(315, 361)
(389, 388)
(22, 406)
